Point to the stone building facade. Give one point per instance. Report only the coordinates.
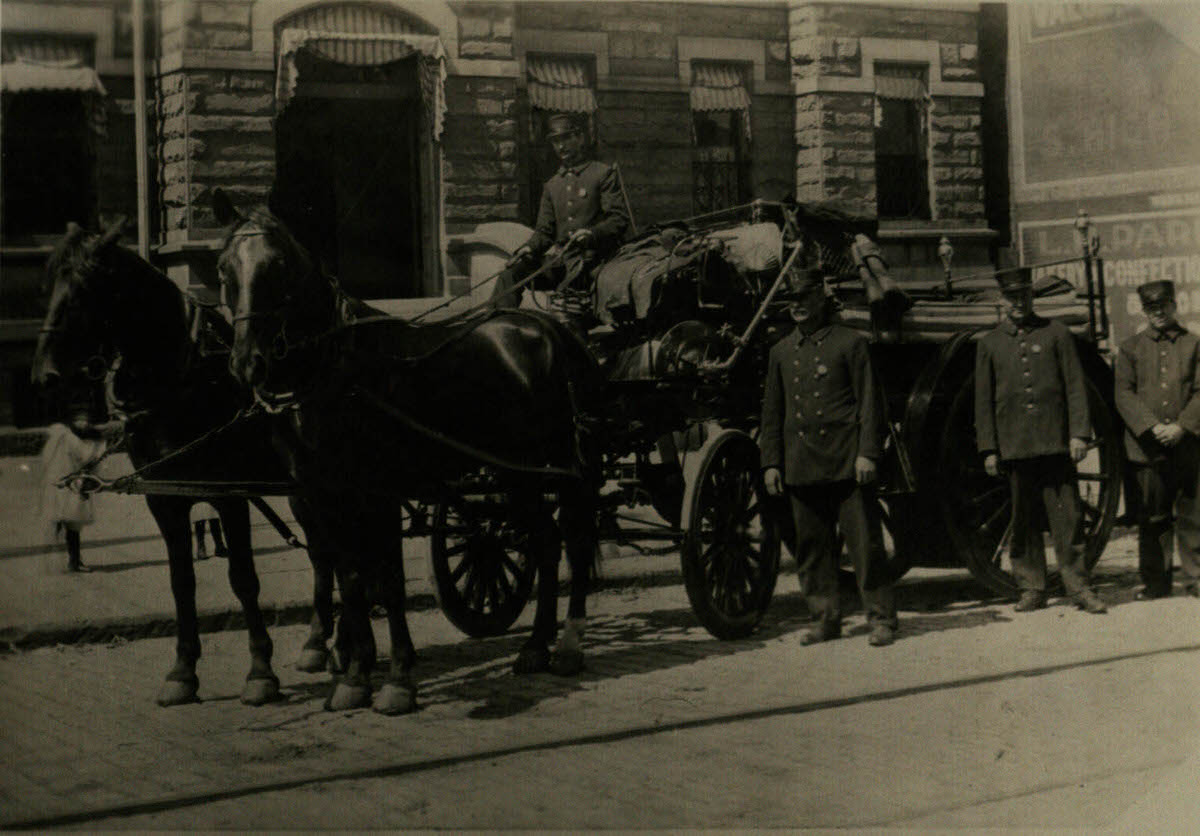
(822, 86)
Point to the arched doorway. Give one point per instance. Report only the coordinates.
(356, 145)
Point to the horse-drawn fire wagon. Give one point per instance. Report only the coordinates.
(689, 311)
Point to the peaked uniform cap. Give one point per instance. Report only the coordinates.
(801, 280)
(1152, 293)
(561, 124)
(1015, 280)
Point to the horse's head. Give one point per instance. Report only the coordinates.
(77, 331)
(277, 296)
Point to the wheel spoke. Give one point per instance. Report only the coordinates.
(1005, 540)
(982, 498)
(997, 515)
(458, 548)
(508, 563)
(504, 587)
(461, 569)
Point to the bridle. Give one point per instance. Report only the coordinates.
(281, 345)
(96, 366)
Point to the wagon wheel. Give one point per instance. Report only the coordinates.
(480, 561)
(977, 508)
(730, 549)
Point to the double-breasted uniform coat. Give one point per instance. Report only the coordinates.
(1157, 380)
(583, 196)
(821, 411)
(1030, 400)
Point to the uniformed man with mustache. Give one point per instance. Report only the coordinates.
(582, 212)
(1158, 396)
(822, 435)
(1032, 424)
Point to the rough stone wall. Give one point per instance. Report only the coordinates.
(835, 151)
(214, 125)
(957, 157)
(479, 151)
(484, 29)
(216, 128)
(479, 141)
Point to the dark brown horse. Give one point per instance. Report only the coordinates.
(378, 411)
(110, 310)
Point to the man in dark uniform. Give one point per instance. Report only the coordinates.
(1158, 396)
(822, 433)
(1031, 417)
(582, 206)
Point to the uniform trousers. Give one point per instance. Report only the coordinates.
(818, 511)
(1048, 481)
(1170, 508)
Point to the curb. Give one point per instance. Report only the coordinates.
(160, 625)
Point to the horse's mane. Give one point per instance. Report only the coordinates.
(70, 257)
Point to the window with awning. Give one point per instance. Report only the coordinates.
(54, 109)
(720, 104)
(363, 49)
(560, 84)
(902, 104)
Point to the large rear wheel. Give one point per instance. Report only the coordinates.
(730, 549)
(977, 508)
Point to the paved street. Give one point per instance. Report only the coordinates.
(975, 718)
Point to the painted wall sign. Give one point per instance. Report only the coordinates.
(1137, 248)
(1102, 91)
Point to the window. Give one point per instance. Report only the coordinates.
(556, 84)
(901, 141)
(721, 133)
(53, 109)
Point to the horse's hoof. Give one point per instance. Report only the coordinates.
(313, 660)
(347, 697)
(178, 692)
(532, 660)
(394, 699)
(566, 662)
(260, 691)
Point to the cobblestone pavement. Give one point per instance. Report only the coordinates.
(975, 717)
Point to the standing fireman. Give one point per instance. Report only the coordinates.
(822, 433)
(582, 205)
(1158, 396)
(1031, 419)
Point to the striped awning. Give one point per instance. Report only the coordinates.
(363, 49)
(891, 87)
(560, 84)
(24, 76)
(43, 48)
(718, 87)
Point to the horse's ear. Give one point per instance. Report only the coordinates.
(227, 214)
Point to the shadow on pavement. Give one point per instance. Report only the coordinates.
(479, 671)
